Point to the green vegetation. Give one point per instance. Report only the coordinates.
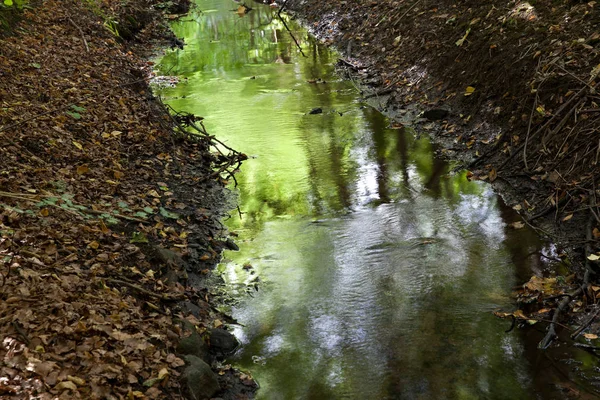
(110, 22)
(9, 12)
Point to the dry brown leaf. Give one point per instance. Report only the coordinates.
(568, 217)
(66, 385)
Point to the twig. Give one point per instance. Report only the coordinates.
(145, 291)
(535, 100)
(87, 49)
(541, 129)
(292, 35)
(586, 346)
(407, 11)
(21, 333)
(551, 334)
(584, 326)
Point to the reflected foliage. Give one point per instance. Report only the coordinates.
(379, 268)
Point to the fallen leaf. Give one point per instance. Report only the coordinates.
(66, 385)
(77, 380)
(590, 336)
(593, 257)
(568, 217)
(517, 225)
(242, 10)
(469, 90)
(544, 285)
(163, 373)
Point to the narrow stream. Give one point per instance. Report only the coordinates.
(366, 269)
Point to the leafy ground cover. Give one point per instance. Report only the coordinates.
(108, 208)
(509, 88)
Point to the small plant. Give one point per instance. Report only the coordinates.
(9, 10)
(18, 4)
(109, 23)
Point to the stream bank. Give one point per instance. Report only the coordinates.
(509, 89)
(109, 214)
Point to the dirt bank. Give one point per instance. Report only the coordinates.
(109, 210)
(508, 88)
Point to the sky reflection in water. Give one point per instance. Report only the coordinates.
(379, 270)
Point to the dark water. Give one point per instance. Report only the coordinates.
(366, 270)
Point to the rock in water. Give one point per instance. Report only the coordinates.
(200, 380)
(435, 114)
(222, 342)
(194, 345)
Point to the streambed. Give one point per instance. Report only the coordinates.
(366, 269)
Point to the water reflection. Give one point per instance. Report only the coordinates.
(379, 269)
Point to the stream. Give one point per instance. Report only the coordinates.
(366, 270)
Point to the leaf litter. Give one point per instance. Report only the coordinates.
(106, 202)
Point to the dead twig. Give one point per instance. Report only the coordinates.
(583, 327)
(87, 49)
(407, 11)
(291, 34)
(145, 291)
(551, 334)
(543, 127)
(535, 101)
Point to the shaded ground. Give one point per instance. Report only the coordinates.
(108, 210)
(509, 89)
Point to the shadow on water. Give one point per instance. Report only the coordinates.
(378, 270)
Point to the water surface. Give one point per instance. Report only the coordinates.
(366, 269)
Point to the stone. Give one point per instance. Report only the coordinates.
(200, 380)
(230, 244)
(193, 345)
(222, 342)
(317, 110)
(169, 257)
(435, 114)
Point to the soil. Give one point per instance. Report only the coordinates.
(109, 209)
(508, 89)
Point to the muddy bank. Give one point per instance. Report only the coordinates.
(508, 89)
(109, 215)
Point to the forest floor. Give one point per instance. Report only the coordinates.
(109, 213)
(509, 90)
